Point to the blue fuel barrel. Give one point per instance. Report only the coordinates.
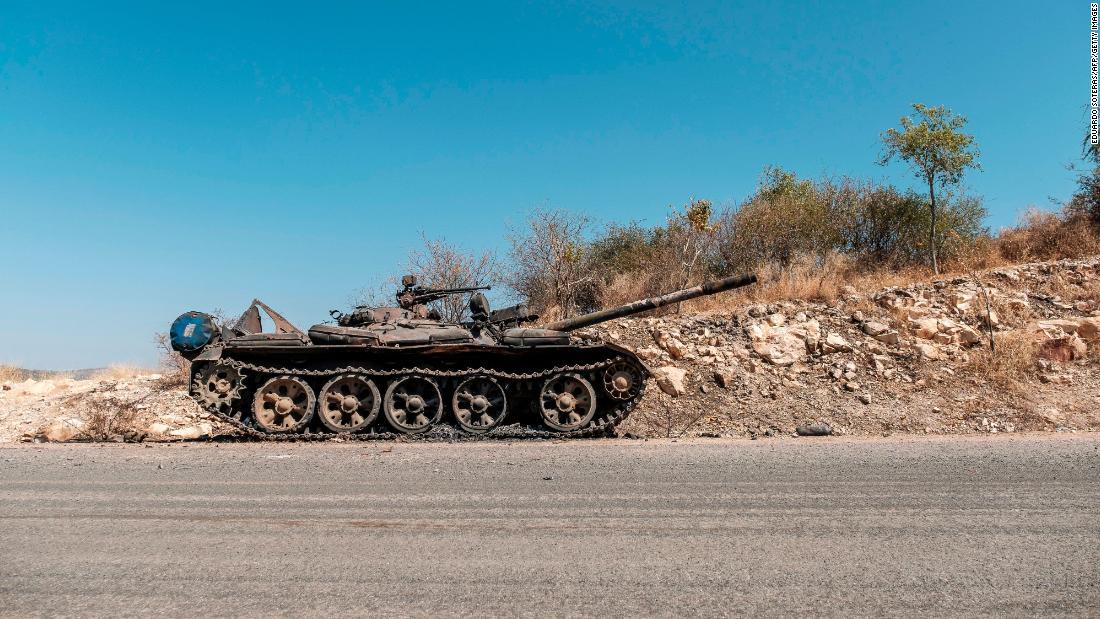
(192, 331)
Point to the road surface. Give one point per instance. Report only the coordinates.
(601, 528)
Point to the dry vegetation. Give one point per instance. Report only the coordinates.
(1011, 359)
(12, 374)
(109, 418)
(805, 240)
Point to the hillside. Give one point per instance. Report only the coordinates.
(913, 359)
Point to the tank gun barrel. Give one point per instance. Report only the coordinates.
(704, 289)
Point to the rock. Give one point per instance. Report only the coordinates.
(670, 344)
(675, 348)
(925, 328)
(777, 345)
(1086, 328)
(723, 378)
(670, 379)
(835, 343)
(158, 428)
(809, 329)
(967, 336)
(943, 338)
(777, 320)
(816, 429)
(927, 351)
(890, 338)
(866, 399)
(960, 300)
(873, 328)
(648, 353)
(857, 317)
(993, 319)
(1063, 349)
(190, 433)
(62, 429)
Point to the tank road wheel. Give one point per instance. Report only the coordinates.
(479, 404)
(622, 380)
(349, 403)
(412, 404)
(283, 404)
(218, 386)
(567, 402)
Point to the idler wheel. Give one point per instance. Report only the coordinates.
(349, 403)
(622, 380)
(567, 402)
(479, 404)
(412, 404)
(218, 386)
(283, 404)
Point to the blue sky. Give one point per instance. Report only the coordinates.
(159, 157)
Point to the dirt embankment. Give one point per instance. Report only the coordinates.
(914, 359)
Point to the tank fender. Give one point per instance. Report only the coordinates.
(212, 353)
(631, 354)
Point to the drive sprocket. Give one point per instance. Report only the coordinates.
(218, 386)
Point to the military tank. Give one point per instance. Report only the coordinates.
(401, 370)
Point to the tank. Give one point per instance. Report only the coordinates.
(402, 370)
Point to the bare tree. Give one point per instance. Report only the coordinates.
(439, 264)
(548, 259)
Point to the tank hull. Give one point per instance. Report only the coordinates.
(532, 386)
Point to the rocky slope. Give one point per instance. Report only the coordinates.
(913, 359)
(899, 360)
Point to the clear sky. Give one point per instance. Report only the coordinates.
(159, 157)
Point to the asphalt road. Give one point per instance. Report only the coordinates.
(822, 526)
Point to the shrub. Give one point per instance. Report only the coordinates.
(1046, 235)
(1086, 200)
(549, 260)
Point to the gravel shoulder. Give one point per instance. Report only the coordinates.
(1005, 525)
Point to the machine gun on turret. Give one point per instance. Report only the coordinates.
(412, 295)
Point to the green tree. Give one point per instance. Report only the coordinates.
(931, 141)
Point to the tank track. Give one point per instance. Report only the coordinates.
(602, 424)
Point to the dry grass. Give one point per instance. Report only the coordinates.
(833, 278)
(1043, 235)
(175, 370)
(12, 374)
(1012, 359)
(119, 371)
(109, 419)
(624, 288)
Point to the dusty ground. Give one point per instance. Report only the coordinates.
(1004, 525)
(911, 360)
